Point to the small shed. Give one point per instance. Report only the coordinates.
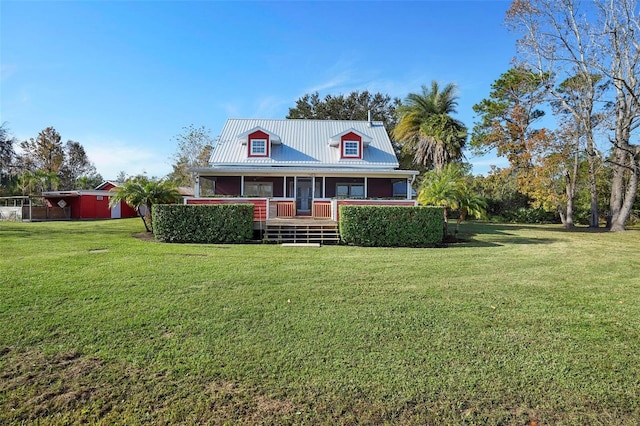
(88, 204)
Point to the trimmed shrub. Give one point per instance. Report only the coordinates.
(203, 223)
(391, 226)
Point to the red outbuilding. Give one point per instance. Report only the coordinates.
(87, 204)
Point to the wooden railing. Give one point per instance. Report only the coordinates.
(322, 209)
(286, 208)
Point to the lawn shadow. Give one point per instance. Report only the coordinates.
(500, 234)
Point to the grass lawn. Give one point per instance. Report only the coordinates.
(518, 325)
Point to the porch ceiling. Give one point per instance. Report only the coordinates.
(290, 171)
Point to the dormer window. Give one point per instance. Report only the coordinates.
(259, 142)
(351, 144)
(351, 149)
(258, 148)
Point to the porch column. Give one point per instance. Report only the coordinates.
(324, 186)
(284, 187)
(408, 189)
(242, 185)
(295, 187)
(365, 187)
(313, 187)
(196, 189)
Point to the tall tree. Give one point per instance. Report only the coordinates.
(44, 153)
(7, 158)
(427, 131)
(140, 192)
(600, 39)
(354, 106)
(574, 100)
(507, 123)
(76, 165)
(194, 149)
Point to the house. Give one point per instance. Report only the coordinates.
(86, 204)
(303, 168)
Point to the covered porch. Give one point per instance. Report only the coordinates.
(277, 210)
(282, 192)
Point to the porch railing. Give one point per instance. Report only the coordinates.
(322, 209)
(285, 208)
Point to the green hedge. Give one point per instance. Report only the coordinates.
(203, 223)
(391, 226)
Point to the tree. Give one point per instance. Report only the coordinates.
(194, 149)
(64, 165)
(76, 165)
(599, 39)
(7, 158)
(500, 189)
(354, 106)
(507, 124)
(139, 192)
(45, 153)
(575, 101)
(38, 181)
(121, 177)
(426, 130)
(449, 187)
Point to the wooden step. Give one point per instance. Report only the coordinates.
(307, 233)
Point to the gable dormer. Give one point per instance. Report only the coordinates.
(259, 142)
(351, 144)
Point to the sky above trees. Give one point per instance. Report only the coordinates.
(124, 78)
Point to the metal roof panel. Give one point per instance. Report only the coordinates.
(304, 143)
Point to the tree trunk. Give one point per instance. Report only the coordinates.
(594, 217)
(617, 186)
(570, 185)
(619, 220)
(143, 220)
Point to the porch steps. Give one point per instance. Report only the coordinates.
(301, 233)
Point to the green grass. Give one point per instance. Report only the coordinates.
(518, 325)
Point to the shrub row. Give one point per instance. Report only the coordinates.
(391, 226)
(203, 223)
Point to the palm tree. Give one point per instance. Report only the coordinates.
(141, 192)
(448, 188)
(426, 129)
(441, 188)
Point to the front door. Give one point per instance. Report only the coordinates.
(304, 197)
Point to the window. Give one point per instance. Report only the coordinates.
(258, 147)
(351, 149)
(350, 190)
(258, 189)
(400, 189)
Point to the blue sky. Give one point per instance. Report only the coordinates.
(124, 77)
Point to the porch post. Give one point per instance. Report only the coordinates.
(242, 185)
(324, 186)
(295, 186)
(196, 189)
(408, 189)
(365, 187)
(284, 187)
(313, 187)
